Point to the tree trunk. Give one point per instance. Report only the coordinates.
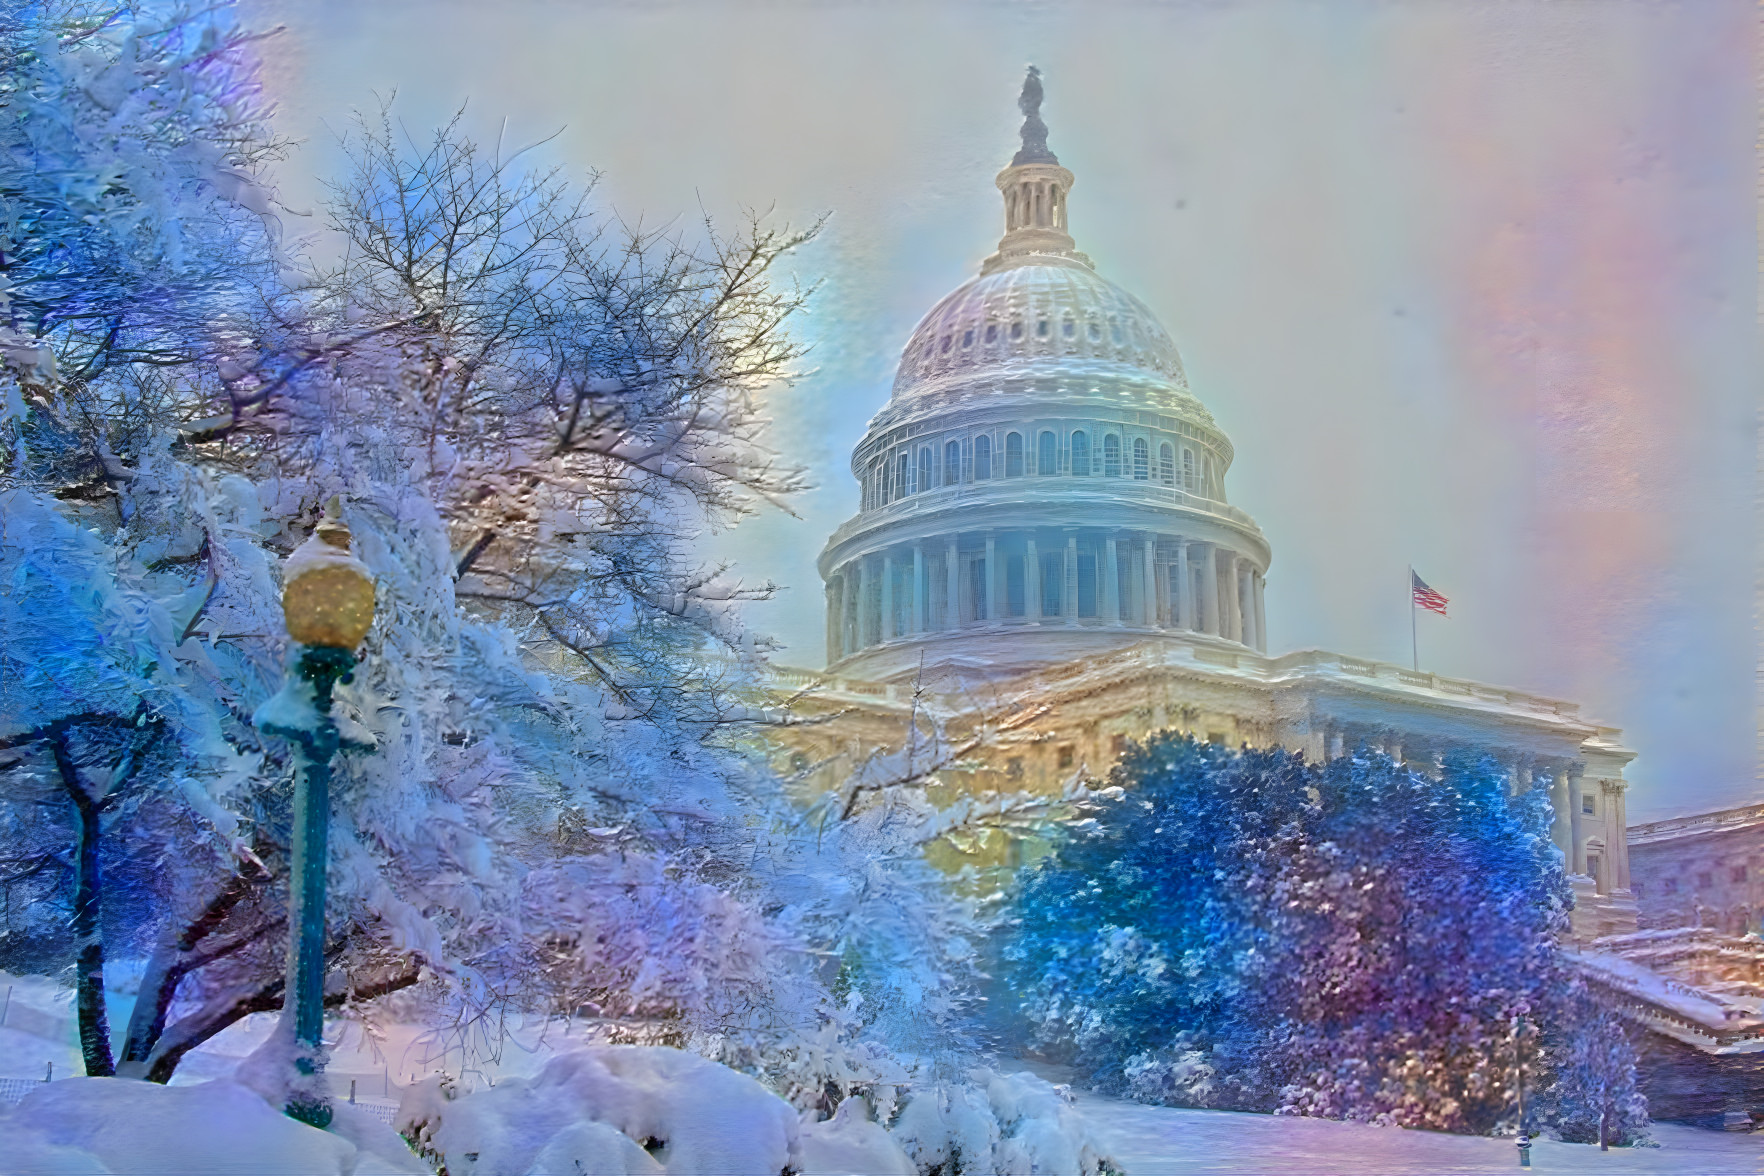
(166, 968)
(89, 943)
(1604, 1129)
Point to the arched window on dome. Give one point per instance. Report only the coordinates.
(1115, 332)
(925, 482)
(903, 476)
(887, 481)
(1188, 470)
(1041, 328)
(992, 332)
(982, 458)
(1013, 455)
(946, 342)
(1047, 455)
(967, 338)
(1017, 329)
(952, 463)
(1111, 456)
(1167, 464)
(1080, 455)
(1095, 332)
(1068, 328)
(1141, 460)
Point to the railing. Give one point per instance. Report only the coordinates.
(1421, 679)
(14, 1091)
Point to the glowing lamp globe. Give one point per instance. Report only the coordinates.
(327, 594)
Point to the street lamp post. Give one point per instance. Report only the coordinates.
(328, 602)
(1519, 1075)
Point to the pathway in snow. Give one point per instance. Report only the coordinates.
(1165, 1141)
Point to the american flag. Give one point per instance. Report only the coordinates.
(1426, 597)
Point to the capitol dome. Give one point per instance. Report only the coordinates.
(1052, 314)
(1041, 485)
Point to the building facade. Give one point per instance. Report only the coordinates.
(1043, 516)
(1705, 870)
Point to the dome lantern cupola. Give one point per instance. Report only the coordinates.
(1034, 187)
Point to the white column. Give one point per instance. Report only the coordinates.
(921, 605)
(887, 597)
(1576, 826)
(1231, 620)
(1184, 587)
(1562, 827)
(1209, 620)
(863, 602)
(1069, 603)
(1148, 582)
(952, 580)
(992, 609)
(835, 616)
(1031, 579)
(1246, 608)
(1111, 609)
(1617, 840)
(1261, 616)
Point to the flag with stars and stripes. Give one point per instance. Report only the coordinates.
(1426, 597)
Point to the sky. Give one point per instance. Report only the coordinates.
(1470, 286)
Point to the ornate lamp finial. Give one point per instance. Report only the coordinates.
(1034, 130)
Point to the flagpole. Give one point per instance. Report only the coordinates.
(1414, 640)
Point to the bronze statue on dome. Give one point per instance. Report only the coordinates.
(1034, 130)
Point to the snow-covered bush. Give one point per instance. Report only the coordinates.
(638, 1110)
(607, 1109)
(1348, 940)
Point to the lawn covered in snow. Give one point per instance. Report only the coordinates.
(1168, 1141)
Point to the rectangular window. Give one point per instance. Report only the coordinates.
(1118, 745)
(1592, 871)
(1738, 874)
(1086, 583)
(1068, 755)
(1188, 470)
(1587, 805)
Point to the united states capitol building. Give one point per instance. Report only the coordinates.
(1044, 516)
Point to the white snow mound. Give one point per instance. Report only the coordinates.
(618, 1110)
(120, 1125)
(849, 1144)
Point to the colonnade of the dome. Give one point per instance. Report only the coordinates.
(1044, 576)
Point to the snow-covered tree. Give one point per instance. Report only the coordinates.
(1347, 940)
(537, 809)
(1593, 1095)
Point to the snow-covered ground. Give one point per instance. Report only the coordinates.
(1165, 1141)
